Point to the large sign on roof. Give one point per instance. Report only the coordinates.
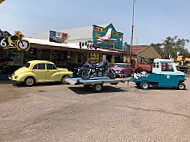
(107, 37)
(13, 41)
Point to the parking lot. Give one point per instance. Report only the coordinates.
(66, 113)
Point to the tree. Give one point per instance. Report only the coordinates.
(172, 47)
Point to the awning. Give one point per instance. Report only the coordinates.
(45, 44)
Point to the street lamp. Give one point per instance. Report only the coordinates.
(132, 31)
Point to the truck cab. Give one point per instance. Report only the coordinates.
(164, 74)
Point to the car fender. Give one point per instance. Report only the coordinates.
(69, 74)
(23, 76)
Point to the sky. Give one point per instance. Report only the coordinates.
(154, 19)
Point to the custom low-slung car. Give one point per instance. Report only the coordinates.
(122, 69)
(38, 71)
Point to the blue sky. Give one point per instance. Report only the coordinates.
(154, 19)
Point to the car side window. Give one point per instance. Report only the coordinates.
(167, 67)
(35, 67)
(51, 67)
(41, 66)
(156, 65)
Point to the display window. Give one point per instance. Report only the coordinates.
(10, 57)
(43, 54)
(59, 58)
(30, 55)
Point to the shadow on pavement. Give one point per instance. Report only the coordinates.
(40, 84)
(5, 82)
(84, 91)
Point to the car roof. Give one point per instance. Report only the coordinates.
(39, 61)
(163, 60)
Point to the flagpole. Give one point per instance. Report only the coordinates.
(132, 31)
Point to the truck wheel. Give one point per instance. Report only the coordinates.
(181, 86)
(144, 85)
(29, 81)
(97, 88)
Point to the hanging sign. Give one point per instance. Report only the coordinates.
(13, 41)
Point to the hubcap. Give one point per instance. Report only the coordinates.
(181, 87)
(98, 87)
(29, 81)
(145, 85)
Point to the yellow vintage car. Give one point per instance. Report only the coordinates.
(38, 71)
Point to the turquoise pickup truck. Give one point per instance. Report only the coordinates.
(164, 74)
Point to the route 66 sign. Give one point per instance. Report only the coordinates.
(13, 41)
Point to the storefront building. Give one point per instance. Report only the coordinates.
(89, 35)
(75, 50)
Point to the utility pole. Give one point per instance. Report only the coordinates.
(132, 31)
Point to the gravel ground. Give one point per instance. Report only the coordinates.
(65, 113)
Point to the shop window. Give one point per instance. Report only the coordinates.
(30, 55)
(59, 58)
(14, 57)
(44, 54)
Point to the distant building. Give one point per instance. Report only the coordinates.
(146, 51)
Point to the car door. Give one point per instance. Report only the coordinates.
(167, 76)
(52, 73)
(40, 72)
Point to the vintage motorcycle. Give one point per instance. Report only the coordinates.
(99, 71)
(15, 41)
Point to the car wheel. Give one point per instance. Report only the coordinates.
(144, 85)
(29, 81)
(63, 80)
(181, 86)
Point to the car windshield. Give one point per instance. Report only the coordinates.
(27, 65)
(120, 66)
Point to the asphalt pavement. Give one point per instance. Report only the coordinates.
(66, 113)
